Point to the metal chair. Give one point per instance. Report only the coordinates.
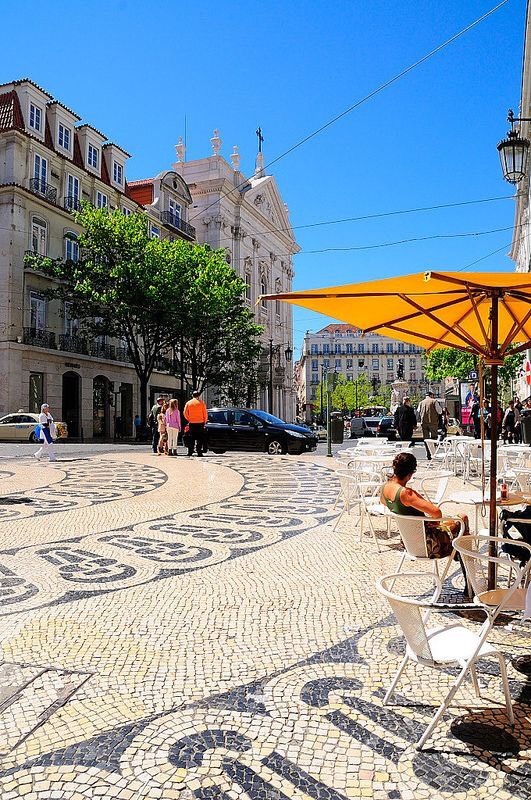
(440, 647)
(413, 534)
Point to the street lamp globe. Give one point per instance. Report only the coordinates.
(288, 352)
(514, 153)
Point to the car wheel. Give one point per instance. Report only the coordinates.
(33, 438)
(218, 452)
(275, 448)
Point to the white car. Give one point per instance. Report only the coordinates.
(20, 427)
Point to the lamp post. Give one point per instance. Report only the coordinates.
(361, 364)
(514, 151)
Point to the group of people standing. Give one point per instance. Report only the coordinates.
(166, 425)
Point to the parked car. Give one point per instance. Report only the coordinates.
(371, 423)
(20, 427)
(359, 428)
(252, 429)
(386, 428)
(320, 431)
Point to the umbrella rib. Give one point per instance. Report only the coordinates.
(476, 312)
(407, 317)
(428, 338)
(445, 277)
(448, 328)
(516, 328)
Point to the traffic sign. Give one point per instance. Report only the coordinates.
(472, 375)
(527, 371)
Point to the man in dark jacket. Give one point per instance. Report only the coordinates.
(405, 420)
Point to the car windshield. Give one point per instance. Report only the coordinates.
(265, 417)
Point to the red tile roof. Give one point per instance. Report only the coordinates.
(10, 112)
(339, 328)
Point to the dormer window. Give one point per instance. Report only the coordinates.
(93, 156)
(118, 173)
(35, 118)
(63, 137)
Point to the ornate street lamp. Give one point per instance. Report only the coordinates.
(288, 352)
(514, 151)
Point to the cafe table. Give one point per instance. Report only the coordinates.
(476, 499)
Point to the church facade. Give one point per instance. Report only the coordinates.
(249, 220)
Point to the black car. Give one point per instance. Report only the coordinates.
(386, 428)
(251, 429)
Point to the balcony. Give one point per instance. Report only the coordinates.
(73, 344)
(39, 338)
(109, 351)
(178, 224)
(44, 189)
(72, 203)
(167, 365)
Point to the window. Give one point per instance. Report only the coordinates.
(263, 290)
(117, 173)
(37, 312)
(315, 363)
(175, 212)
(413, 377)
(337, 363)
(101, 200)
(63, 137)
(411, 348)
(248, 286)
(39, 231)
(219, 417)
(313, 349)
(277, 309)
(93, 156)
(375, 363)
(71, 324)
(350, 377)
(326, 364)
(361, 348)
(337, 348)
(243, 418)
(375, 347)
(71, 246)
(326, 349)
(389, 347)
(72, 202)
(350, 363)
(401, 348)
(126, 211)
(155, 232)
(35, 117)
(390, 363)
(36, 393)
(412, 363)
(40, 172)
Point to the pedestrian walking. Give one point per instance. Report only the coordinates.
(405, 420)
(195, 412)
(47, 434)
(162, 447)
(153, 423)
(173, 426)
(475, 416)
(429, 413)
(508, 423)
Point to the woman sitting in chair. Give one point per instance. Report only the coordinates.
(402, 500)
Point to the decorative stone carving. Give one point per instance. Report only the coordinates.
(278, 285)
(216, 142)
(235, 158)
(180, 149)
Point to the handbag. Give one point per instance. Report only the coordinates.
(38, 432)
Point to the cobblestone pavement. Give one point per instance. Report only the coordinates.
(175, 628)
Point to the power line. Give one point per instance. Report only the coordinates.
(367, 97)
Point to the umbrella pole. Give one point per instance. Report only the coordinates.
(493, 473)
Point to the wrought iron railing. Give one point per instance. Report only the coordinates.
(39, 186)
(73, 344)
(39, 338)
(179, 224)
(72, 203)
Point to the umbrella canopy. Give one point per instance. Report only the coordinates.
(483, 313)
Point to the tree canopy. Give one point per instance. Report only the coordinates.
(159, 297)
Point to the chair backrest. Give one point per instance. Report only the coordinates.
(474, 552)
(432, 445)
(412, 533)
(408, 610)
(434, 485)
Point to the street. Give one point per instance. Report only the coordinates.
(195, 628)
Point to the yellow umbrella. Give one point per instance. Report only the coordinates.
(487, 314)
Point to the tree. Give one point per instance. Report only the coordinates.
(450, 363)
(155, 295)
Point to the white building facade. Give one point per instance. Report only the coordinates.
(250, 221)
(49, 163)
(345, 350)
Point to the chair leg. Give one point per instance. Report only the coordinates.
(338, 520)
(474, 678)
(442, 708)
(448, 565)
(392, 688)
(506, 690)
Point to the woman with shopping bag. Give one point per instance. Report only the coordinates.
(47, 434)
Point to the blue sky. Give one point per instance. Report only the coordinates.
(135, 69)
